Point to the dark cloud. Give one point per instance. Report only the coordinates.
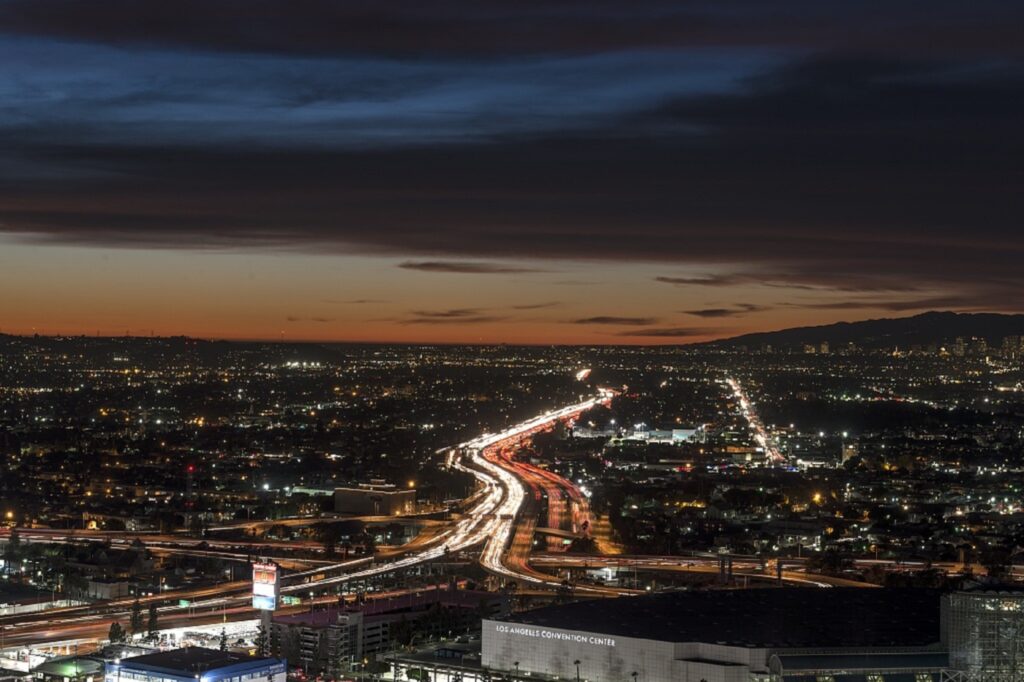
(296, 318)
(866, 171)
(706, 281)
(452, 313)
(791, 280)
(466, 267)
(739, 309)
(537, 306)
(611, 319)
(712, 312)
(451, 316)
(465, 27)
(670, 332)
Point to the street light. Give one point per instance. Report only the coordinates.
(516, 664)
(577, 664)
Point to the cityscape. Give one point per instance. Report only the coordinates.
(511, 341)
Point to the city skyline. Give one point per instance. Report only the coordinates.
(511, 341)
(490, 173)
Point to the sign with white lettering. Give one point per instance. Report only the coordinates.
(542, 633)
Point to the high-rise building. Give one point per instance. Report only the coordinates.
(983, 630)
(849, 452)
(959, 347)
(1011, 347)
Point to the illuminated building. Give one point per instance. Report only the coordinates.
(196, 663)
(316, 640)
(782, 635)
(376, 498)
(984, 631)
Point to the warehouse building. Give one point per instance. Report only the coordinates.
(770, 635)
(196, 663)
(375, 498)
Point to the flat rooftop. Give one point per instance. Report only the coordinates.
(190, 660)
(465, 599)
(771, 617)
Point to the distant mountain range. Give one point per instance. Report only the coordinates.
(923, 329)
(902, 332)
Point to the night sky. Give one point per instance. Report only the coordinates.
(541, 172)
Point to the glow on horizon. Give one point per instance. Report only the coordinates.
(260, 295)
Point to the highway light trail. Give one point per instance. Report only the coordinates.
(760, 434)
(490, 521)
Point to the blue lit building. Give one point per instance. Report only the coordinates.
(196, 663)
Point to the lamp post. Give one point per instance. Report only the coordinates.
(577, 664)
(516, 664)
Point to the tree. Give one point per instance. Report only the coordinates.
(197, 525)
(996, 560)
(830, 562)
(262, 641)
(223, 640)
(116, 633)
(136, 618)
(75, 584)
(583, 545)
(12, 550)
(151, 626)
(564, 592)
(401, 632)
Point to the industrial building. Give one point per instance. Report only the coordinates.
(376, 498)
(767, 635)
(195, 663)
(797, 635)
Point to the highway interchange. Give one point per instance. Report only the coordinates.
(500, 521)
(489, 523)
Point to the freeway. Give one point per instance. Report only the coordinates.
(489, 522)
(746, 568)
(489, 460)
(484, 523)
(90, 630)
(507, 550)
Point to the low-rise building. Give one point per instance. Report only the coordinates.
(196, 663)
(782, 635)
(375, 498)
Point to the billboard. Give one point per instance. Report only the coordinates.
(265, 587)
